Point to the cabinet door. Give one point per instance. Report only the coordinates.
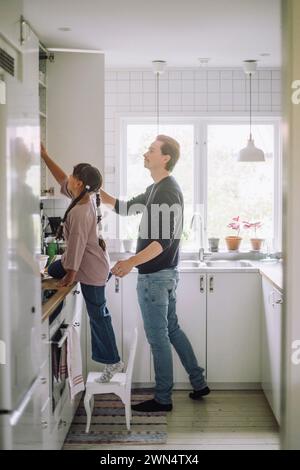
(113, 302)
(132, 318)
(271, 345)
(191, 312)
(75, 104)
(233, 328)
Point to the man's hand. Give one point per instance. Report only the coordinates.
(122, 268)
(68, 279)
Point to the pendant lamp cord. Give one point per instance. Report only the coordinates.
(250, 75)
(157, 101)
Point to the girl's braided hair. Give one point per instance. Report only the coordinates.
(92, 180)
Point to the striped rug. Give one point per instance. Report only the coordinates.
(108, 423)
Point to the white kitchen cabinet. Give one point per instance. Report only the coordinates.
(114, 305)
(271, 345)
(233, 329)
(75, 313)
(132, 318)
(75, 111)
(191, 312)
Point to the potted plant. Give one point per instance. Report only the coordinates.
(255, 242)
(233, 242)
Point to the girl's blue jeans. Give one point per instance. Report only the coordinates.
(104, 347)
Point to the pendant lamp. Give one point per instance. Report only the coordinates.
(250, 153)
(158, 68)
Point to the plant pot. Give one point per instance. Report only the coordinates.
(233, 243)
(256, 243)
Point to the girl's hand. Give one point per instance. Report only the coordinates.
(68, 279)
(43, 151)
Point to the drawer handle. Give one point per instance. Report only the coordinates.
(44, 424)
(279, 301)
(201, 284)
(76, 292)
(117, 285)
(211, 283)
(43, 380)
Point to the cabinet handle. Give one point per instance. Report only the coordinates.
(44, 424)
(201, 284)
(76, 323)
(211, 283)
(44, 336)
(76, 292)
(279, 301)
(117, 285)
(43, 380)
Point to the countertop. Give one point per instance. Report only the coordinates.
(56, 299)
(273, 272)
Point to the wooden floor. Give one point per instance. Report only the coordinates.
(223, 420)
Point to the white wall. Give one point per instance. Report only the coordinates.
(10, 13)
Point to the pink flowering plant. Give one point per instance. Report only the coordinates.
(252, 225)
(235, 224)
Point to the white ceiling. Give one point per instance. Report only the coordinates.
(132, 33)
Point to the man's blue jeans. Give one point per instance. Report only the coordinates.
(157, 299)
(104, 347)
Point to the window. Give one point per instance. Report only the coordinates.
(213, 182)
(239, 189)
(137, 178)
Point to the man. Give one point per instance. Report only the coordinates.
(157, 257)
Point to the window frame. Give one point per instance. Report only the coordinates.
(201, 124)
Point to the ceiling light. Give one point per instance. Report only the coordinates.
(203, 61)
(250, 153)
(158, 68)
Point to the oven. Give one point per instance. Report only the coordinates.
(58, 358)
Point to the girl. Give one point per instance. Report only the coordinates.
(85, 259)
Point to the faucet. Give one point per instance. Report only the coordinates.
(201, 249)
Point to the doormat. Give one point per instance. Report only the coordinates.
(108, 424)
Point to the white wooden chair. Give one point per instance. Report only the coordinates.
(120, 385)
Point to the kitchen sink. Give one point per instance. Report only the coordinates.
(190, 263)
(224, 263)
(218, 263)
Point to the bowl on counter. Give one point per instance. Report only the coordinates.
(42, 262)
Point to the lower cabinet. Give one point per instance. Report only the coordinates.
(233, 329)
(132, 318)
(191, 312)
(271, 345)
(57, 408)
(221, 315)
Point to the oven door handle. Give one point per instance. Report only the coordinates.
(63, 339)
